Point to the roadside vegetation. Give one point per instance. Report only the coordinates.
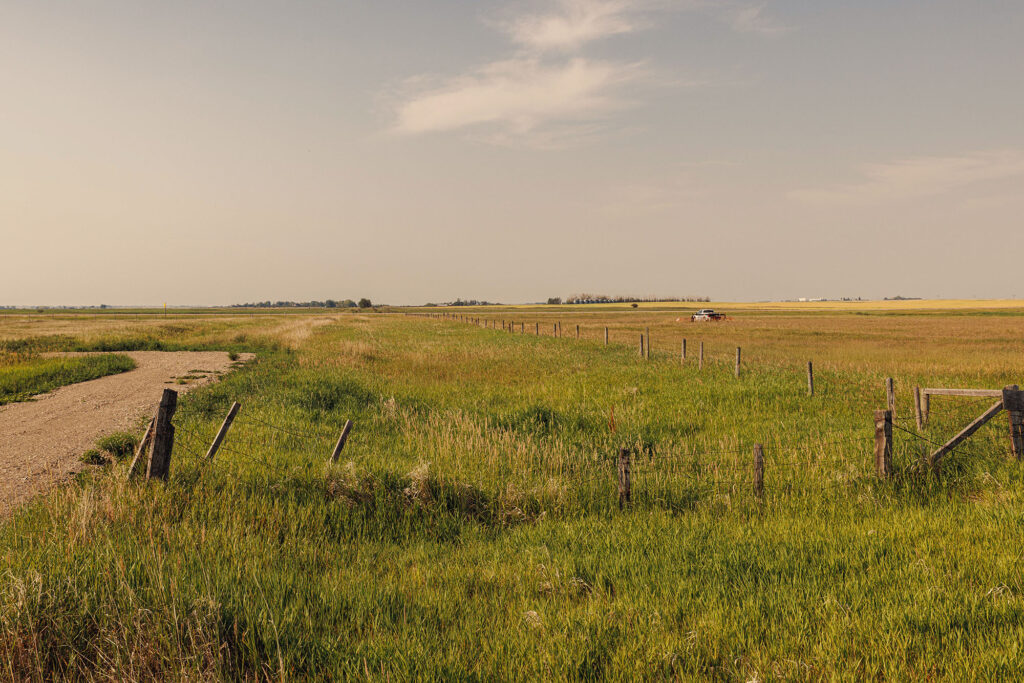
(471, 530)
(23, 376)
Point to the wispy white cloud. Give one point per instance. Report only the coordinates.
(519, 96)
(570, 24)
(547, 88)
(918, 177)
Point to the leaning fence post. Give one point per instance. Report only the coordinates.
(624, 484)
(737, 361)
(163, 437)
(137, 460)
(759, 471)
(341, 440)
(223, 431)
(890, 394)
(1013, 402)
(883, 443)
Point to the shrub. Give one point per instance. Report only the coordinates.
(119, 444)
(93, 457)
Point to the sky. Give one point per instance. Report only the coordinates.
(200, 153)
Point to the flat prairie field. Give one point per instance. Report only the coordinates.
(472, 526)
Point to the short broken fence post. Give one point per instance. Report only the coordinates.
(163, 437)
(341, 440)
(883, 443)
(759, 471)
(223, 431)
(1013, 402)
(810, 378)
(624, 484)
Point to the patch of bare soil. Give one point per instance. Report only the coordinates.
(41, 440)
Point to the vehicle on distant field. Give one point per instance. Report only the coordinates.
(706, 315)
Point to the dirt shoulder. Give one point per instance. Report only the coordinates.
(41, 440)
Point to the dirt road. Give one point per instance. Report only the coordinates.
(41, 440)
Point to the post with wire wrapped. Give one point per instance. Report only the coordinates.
(883, 443)
(341, 441)
(1013, 403)
(624, 483)
(163, 437)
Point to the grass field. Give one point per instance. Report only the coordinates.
(471, 530)
(24, 375)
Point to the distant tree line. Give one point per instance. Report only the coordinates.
(603, 299)
(466, 302)
(329, 303)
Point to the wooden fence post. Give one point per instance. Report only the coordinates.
(223, 431)
(606, 336)
(810, 378)
(647, 333)
(141, 449)
(163, 437)
(554, 330)
(926, 407)
(883, 443)
(577, 331)
(737, 361)
(522, 328)
(759, 471)
(700, 358)
(341, 440)
(624, 484)
(682, 352)
(890, 394)
(1013, 402)
(641, 345)
(536, 329)
(917, 408)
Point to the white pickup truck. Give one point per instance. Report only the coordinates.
(706, 315)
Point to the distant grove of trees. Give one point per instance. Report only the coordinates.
(329, 303)
(603, 299)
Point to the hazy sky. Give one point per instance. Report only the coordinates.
(220, 152)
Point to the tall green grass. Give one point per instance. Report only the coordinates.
(20, 378)
(471, 530)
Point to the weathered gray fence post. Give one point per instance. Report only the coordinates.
(1013, 402)
(641, 345)
(647, 333)
(223, 431)
(163, 437)
(810, 378)
(917, 408)
(341, 441)
(890, 394)
(759, 471)
(624, 483)
(883, 443)
(700, 358)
